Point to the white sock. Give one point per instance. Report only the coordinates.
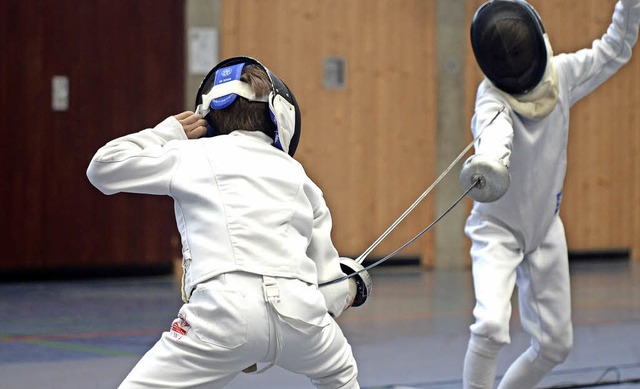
(480, 363)
(529, 369)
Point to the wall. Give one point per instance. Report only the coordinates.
(374, 145)
(451, 249)
(124, 69)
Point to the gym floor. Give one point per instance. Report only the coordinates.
(411, 333)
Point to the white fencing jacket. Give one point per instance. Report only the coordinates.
(536, 150)
(240, 203)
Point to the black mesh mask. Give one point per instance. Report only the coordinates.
(507, 37)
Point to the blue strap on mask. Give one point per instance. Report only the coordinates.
(223, 75)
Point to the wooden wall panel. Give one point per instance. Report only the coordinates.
(124, 64)
(601, 189)
(370, 145)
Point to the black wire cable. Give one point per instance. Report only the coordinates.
(601, 381)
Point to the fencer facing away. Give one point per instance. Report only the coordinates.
(520, 159)
(256, 238)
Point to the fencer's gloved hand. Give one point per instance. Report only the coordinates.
(492, 174)
(360, 285)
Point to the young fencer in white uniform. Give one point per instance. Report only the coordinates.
(517, 237)
(255, 238)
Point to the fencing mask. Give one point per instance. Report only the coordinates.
(222, 86)
(508, 41)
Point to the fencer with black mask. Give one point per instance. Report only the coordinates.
(520, 158)
(256, 238)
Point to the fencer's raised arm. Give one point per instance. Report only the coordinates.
(592, 66)
(141, 162)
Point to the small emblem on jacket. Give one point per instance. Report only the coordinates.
(179, 327)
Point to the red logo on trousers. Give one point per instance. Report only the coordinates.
(179, 327)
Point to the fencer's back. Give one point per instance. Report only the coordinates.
(243, 205)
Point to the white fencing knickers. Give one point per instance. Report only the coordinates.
(234, 321)
(544, 298)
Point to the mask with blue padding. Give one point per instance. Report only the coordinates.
(225, 86)
(226, 75)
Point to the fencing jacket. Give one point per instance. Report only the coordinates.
(240, 203)
(536, 150)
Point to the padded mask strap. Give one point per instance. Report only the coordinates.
(226, 88)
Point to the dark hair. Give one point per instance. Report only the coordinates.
(243, 114)
(512, 42)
